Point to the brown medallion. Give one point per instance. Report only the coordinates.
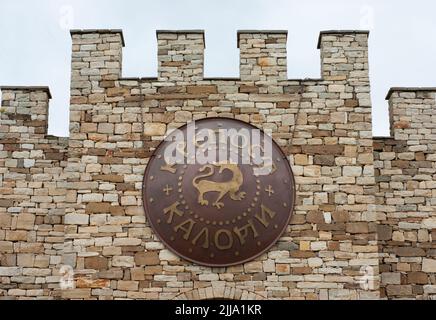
(223, 199)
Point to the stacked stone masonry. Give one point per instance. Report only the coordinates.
(364, 220)
(33, 196)
(406, 196)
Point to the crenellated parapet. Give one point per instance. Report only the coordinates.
(32, 194)
(96, 59)
(24, 116)
(25, 111)
(412, 111)
(323, 126)
(344, 54)
(406, 195)
(363, 204)
(263, 56)
(180, 55)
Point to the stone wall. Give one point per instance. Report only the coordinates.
(33, 196)
(116, 124)
(406, 195)
(323, 126)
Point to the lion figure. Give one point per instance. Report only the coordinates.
(229, 187)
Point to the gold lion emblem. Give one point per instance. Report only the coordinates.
(231, 187)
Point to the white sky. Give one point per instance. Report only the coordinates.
(35, 43)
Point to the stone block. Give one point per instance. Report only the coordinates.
(349, 171)
(83, 282)
(417, 278)
(137, 274)
(202, 89)
(16, 235)
(26, 221)
(5, 220)
(95, 207)
(92, 197)
(166, 255)
(96, 263)
(283, 268)
(25, 260)
(384, 232)
(208, 277)
(312, 171)
(76, 294)
(107, 128)
(183, 116)
(147, 258)
(410, 252)
(391, 278)
(324, 160)
(429, 265)
(76, 218)
(123, 261)
(154, 129)
(10, 271)
(269, 266)
(399, 290)
(127, 285)
(6, 247)
(253, 267)
(357, 227)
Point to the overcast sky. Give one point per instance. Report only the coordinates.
(35, 43)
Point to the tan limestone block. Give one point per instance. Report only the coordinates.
(123, 261)
(301, 159)
(154, 129)
(253, 267)
(84, 282)
(16, 235)
(429, 265)
(137, 274)
(5, 220)
(127, 285)
(76, 294)
(25, 260)
(147, 258)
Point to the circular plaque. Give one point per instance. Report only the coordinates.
(218, 192)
